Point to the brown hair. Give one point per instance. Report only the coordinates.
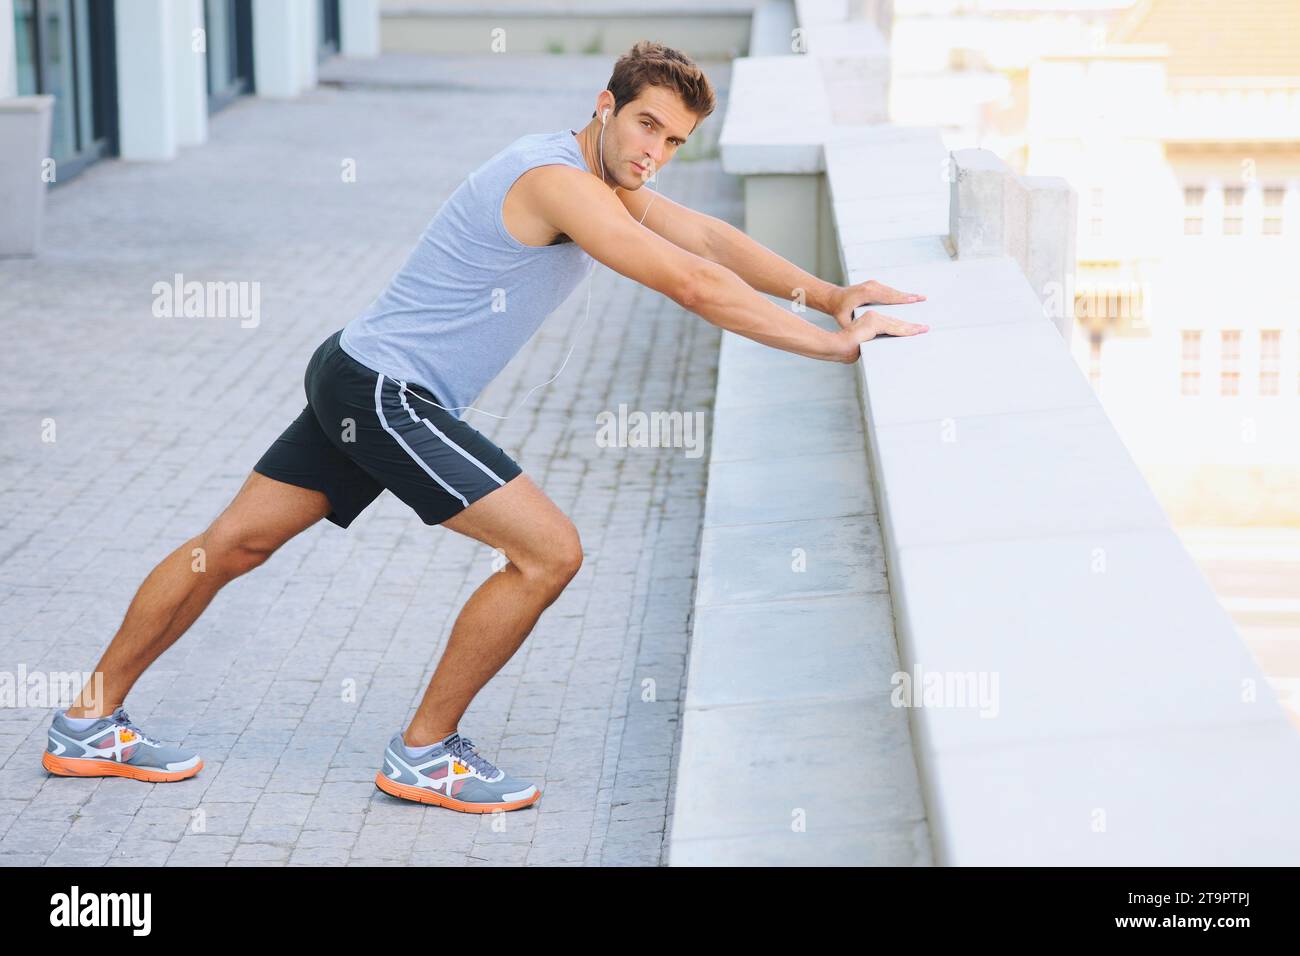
(652, 64)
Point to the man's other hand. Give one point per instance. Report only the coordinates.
(870, 324)
(870, 292)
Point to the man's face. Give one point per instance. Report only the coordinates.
(644, 135)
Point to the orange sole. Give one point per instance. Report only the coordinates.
(89, 767)
(423, 795)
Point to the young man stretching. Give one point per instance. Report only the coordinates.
(381, 392)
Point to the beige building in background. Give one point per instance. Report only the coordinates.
(1181, 133)
(1178, 124)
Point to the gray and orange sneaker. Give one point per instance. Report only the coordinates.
(452, 774)
(113, 746)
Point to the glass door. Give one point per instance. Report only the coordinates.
(327, 28)
(65, 49)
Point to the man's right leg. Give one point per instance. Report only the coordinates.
(264, 515)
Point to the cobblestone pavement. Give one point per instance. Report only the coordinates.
(158, 420)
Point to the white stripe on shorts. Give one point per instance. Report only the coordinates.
(383, 420)
(401, 393)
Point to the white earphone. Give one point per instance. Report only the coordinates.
(603, 115)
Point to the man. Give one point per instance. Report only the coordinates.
(506, 249)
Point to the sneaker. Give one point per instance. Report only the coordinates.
(114, 747)
(452, 775)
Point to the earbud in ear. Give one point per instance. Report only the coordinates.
(604, 116)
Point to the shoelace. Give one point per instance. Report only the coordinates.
(121, 718)
(463, 748)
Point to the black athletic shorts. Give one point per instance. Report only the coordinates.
(362, 432)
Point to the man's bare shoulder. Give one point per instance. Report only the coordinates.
(546, 201)
(533, 200)
(544, 185)
(563, 200)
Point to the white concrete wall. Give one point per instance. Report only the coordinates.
(359, 27)
(277, 47)
(773, 651)
(308, 14)
(24, 148)
(414, 28)
(190, 66)
(146, 78)
(994, 212)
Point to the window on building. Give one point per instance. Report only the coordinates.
(25, 44)
(1230, 362)
(1273, 197)
(1234, 200)
(229, 26)
(1270, 361)
(327, 28)
(1193, 210)
(1191, 363)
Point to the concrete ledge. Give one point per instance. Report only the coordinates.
(993, 212)
(1218, 796)
(1153, 665)
(853, 59)
(997, 369)
(1004, 296)
(1095, 704)
(885, 846)
(793, 636)
(865, 259)
(777, 112)
(732, 755)
(1027, 556)
(887, 182)
(754, 562)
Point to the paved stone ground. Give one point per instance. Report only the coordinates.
(158, 421)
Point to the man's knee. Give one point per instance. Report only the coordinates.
(554, 566)
(569, 558)
(231, 550)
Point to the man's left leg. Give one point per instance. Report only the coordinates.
(431, 762)
(452, 475)
(544, 554)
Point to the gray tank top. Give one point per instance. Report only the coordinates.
(470, 295)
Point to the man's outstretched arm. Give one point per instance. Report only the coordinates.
(768, 272)
(757, 265)
(574, 203)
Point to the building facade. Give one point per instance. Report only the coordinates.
(1178, 124)
(138, 79)
(1181, 133)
